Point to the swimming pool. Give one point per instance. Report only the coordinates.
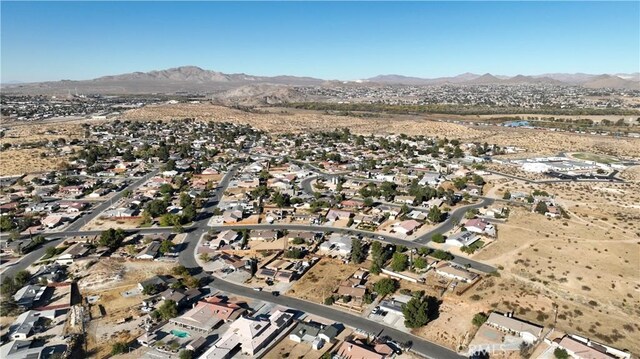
(179, 333)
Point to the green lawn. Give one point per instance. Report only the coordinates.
(593, 157)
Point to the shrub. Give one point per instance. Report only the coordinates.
(438, 238)
(329, 300)
(479, 319)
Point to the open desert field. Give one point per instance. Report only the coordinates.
(296, 121)
(302, 121)
(28, 160)
(586, 267)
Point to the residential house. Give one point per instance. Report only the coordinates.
(583, 348)
(505, 322)
(336, 214)
(404, 199)
(407, 227)
(52, 221)
(26, 296)
(338, 243)
(29, 323)
(208, 314)
(315, 333)
(431, 179)
(157, 281)
(264, 235)
(249, 334)
(75, 251)
(462, 239)
(150, 251)
(232, 216)
(417, 215)
(457, 273)
(357, 350)
(480, 226)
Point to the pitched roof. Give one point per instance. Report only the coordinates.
(513, 324)
(350, 350)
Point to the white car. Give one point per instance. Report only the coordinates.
(258, 289)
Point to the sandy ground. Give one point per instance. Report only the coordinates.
(301, 121)
(21, 161)
(115, 305)
(31, 132)
(321, 280)
(631, 174)
(590, 272)
(535, 141)
(106, 223)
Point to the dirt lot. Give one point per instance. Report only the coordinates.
(99, 224)
(587, 269)
(321, 280)
(111, 278)
(21, 161)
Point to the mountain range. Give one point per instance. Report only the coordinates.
(192, 79)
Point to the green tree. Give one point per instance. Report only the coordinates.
(169, 219)
(399, 262)
(419, 311)
(358, 254)
(188, 214)
(368, 202)
(506, 195)
(420, 263)
(119, 348)
(112, 238)
(146, 218)
(295, 253)
(168, 310)
(22, 278)
(435, 215)
(8, 286)
(438, 238)
(541, 207)
(185, 200)
(560, 353)
(442, 255)
(166, 246)
(385, 286)
(379, 257)
(186, 354)
(329, 300)
(479, 319)
(460, 182)
(6, 223)
(156, 208)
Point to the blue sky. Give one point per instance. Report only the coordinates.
(331, 40)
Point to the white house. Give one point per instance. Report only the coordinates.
(505, 322)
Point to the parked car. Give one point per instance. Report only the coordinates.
(275, 293)
(258, 289)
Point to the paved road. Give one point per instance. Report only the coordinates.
(187, 258)
(419, 345)
(73, 229)
(102, 207)
(455, 217)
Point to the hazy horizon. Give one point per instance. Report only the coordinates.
(51, 41)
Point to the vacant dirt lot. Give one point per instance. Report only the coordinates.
(21, 161)
(587, 268)
(321, 280)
